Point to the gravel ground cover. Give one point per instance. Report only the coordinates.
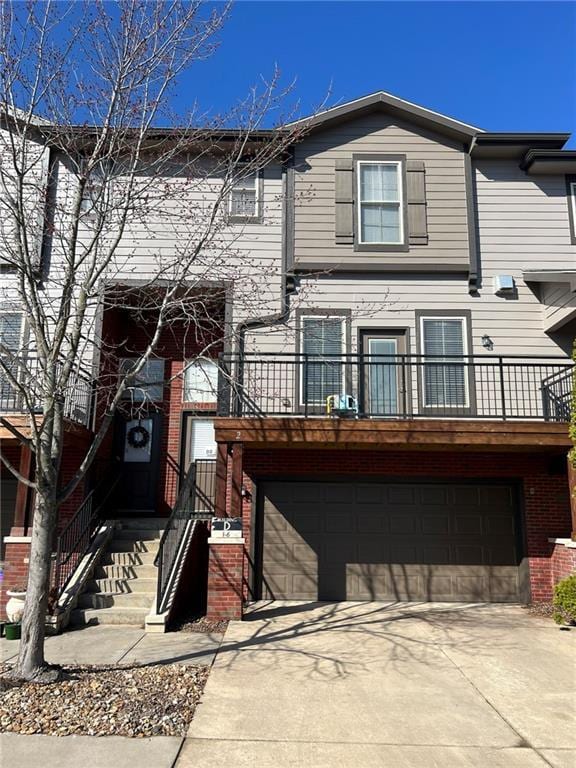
(202, 624)
(545, 610)
(142, 701)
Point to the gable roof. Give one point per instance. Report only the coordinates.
(386, 102)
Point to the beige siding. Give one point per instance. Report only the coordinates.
(559, 302)
(523, 224)
(315, 187)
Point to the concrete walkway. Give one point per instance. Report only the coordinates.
(362, 684)
(123, 645)
(106, 645)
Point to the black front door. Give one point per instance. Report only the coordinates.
(139, 454)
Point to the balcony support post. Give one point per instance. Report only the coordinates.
(24, 494)
(221, 477)
(236, 490)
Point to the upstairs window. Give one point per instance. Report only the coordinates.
(149, 382)
(380, 203)
(11, 342)
(244, 196)
(571, 194)
(201, 382)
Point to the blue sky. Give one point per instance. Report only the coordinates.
(497, 65)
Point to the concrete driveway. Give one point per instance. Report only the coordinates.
(369, 684)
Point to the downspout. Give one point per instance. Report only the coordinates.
(288, 283)
(471, 204)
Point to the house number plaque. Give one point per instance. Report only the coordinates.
(226, 528)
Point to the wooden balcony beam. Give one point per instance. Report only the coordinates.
(406, 434)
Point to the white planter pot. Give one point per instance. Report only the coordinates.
(15, 606)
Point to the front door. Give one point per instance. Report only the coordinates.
(384, 373)
(200, 448)
(139, 454)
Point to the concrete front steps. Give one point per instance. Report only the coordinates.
(123, 586)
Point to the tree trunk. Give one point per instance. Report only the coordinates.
(31, 664)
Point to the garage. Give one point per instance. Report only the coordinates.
(409, 541)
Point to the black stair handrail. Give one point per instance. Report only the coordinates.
(171, 549)
(76, 536)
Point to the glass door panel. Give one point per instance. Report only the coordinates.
(383, 373)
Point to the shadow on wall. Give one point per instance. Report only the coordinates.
(405, 542)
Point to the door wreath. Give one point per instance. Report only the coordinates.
(138, 437)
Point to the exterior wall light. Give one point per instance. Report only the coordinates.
(487, 342)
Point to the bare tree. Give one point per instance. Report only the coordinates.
(86, 169)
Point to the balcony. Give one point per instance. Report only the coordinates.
(397, 387)
(78, 395)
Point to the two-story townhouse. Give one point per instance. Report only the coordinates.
(443, 259)
(392, 412)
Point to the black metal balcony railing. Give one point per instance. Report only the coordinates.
(78, 394)
(398, 386)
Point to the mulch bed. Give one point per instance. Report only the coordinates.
(544, 610)
(136, 701)
(202, 624)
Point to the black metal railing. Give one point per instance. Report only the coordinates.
(397, 386)
(195, 502)
(77, 395)
(75, 538)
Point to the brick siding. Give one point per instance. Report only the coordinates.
(562, 562)
(15, 570)
(225, 579)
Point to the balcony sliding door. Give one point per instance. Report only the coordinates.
(384, 373)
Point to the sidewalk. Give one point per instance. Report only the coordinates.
(103, 645)
(122, 645)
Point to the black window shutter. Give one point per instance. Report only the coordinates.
(344, 202)
(416, 198)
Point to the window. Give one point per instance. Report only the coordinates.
(244, 198)
(571, 191)
(201, 382)
(445, 383)
(380, 202)
(94, 198)
(322, 338)
(11, 330)
(149, 383)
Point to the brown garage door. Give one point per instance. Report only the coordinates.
(393, 541)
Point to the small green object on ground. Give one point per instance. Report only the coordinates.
(12, 631)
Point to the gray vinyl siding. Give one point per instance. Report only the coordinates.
(248, 255)
(522, 224)
(315, 160)
(559, 304)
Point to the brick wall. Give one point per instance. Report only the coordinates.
(546, 506)
(75, 449)
(225, 579)
(562, 562)
(15, 570)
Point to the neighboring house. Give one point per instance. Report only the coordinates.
(394, 425)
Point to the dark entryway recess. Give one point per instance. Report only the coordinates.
(424, 541)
